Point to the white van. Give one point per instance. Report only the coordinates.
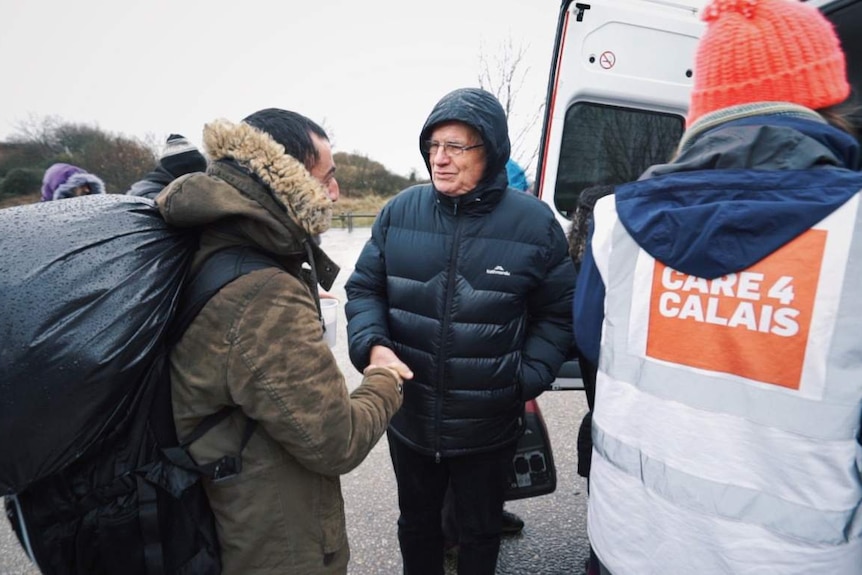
(619, 88)
(618, 94)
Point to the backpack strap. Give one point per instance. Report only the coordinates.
(218, 270)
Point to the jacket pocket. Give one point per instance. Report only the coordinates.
(332, 521)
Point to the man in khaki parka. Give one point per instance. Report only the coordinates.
(258, 345)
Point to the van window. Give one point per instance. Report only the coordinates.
(610, 145)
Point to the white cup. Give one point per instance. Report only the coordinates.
(329, 309)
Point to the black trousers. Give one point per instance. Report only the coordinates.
(478, 485)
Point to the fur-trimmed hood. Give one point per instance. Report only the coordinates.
(60, 180)
(95, 183)
(252, 193)
(303, 196)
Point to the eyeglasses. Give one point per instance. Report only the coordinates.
(451, 149)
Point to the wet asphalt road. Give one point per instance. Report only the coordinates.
(554, 540)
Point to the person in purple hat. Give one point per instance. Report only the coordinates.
(67, 181)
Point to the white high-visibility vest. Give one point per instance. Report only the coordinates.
(727, 411)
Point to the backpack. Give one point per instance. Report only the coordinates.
(107, 490)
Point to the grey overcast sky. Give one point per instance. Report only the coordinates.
(368, 71)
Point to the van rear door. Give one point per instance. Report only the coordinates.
(616, 101)
(617, 93)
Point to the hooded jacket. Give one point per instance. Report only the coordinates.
(60, 180)
(257, 345)
(472, 292)
(727, 418)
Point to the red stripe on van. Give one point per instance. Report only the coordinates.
(547, 134)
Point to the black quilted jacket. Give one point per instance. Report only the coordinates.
(473, 293)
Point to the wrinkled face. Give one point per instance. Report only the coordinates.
(324, 169)
(455, 170)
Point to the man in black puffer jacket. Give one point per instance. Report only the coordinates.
(468, 284)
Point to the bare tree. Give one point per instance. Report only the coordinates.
(504, 74)
(40, 131)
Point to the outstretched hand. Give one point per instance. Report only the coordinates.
(382, 356)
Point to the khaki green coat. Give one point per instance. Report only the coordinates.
(258, 345)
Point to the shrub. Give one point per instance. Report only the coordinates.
(20, 182)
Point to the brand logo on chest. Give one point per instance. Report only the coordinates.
(497, 271)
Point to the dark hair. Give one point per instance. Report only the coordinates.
(291, 130)
(845, 116)
(581, 219)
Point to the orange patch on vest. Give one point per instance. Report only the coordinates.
(753, 324)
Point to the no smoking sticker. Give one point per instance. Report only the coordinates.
(607, 60)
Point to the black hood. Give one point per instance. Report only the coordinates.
(481, 110)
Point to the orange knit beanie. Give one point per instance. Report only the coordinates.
(766, 51)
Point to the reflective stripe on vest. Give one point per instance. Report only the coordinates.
(738, 398)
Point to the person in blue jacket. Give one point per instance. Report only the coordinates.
(718, 298)
(468, 283)
(517, 176)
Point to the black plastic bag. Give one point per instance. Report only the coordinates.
(87, 288)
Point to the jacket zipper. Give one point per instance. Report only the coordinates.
(450, 287)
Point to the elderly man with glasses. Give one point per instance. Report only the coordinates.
(466, 284)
